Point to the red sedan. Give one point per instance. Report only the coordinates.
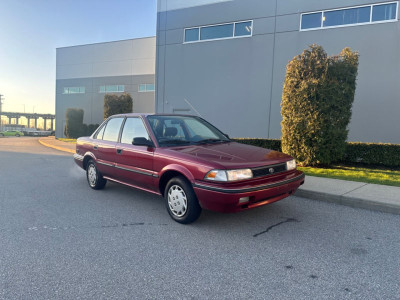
(188, 161)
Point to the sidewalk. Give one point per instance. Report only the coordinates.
(355, 194)
(377, 197)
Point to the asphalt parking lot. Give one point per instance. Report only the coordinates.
(59, 239)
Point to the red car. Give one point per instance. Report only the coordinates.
(188, 161)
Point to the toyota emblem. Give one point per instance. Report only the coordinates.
(271, 170)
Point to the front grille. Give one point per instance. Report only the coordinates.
(265, 171)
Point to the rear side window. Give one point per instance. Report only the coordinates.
(133, 128)
(113, 127)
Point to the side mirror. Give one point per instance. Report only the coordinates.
(142, 141)
(227, 136)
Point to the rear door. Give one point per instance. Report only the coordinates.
(134, 164)
(104, 146)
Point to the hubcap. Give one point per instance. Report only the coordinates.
(177, 200)
(92, 175)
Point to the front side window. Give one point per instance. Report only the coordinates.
(113, 127)
(133, 128)
(184, 130)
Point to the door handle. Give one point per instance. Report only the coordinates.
(119, 151)
(95, 147)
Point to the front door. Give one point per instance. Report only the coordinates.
(134, 164)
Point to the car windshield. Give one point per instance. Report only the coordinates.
(184, 130)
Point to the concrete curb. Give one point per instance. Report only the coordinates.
(56, 147)
(355, 202)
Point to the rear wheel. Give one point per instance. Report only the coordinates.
(94, 177)
(181, 201)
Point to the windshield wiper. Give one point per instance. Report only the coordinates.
(174, 142)
(211, 141)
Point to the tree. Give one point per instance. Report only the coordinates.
(73, 123)
(114, 104)
(317, 98)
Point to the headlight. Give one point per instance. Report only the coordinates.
(229, 175)
(291, 165)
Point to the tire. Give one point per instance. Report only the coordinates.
(94, 177)
(181, 201)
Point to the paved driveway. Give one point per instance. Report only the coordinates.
(61, 240)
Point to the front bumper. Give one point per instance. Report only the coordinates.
(226, 199)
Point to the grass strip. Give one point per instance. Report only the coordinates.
(67, 140)
(360, 174)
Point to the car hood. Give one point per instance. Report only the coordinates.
(233, 155)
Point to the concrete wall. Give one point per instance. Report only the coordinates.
(128, 63)
(237, 83)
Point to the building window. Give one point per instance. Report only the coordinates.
(218, 32)
(111, 89)
(74, 90)
(192, 34)
(146, 87)
(351, 16)
(384, 12)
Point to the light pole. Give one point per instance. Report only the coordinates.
(1, 102)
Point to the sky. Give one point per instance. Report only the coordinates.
(31, 30)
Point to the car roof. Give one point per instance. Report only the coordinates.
(151, 114)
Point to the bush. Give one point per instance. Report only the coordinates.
(73, 123)
(375, 154)
(318, 94)
(74, 126)
(114, 104)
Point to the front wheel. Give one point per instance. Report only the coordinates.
(94, 178)
(181, 201)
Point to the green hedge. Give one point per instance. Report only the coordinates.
(264, 143)
(378, 154)
(373, 154)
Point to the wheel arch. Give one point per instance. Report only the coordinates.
(170, 172)
(86, 158)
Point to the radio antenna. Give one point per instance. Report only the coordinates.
(192, 107)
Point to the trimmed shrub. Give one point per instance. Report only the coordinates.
(318, 94)
(114, 104)
(73, 123)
